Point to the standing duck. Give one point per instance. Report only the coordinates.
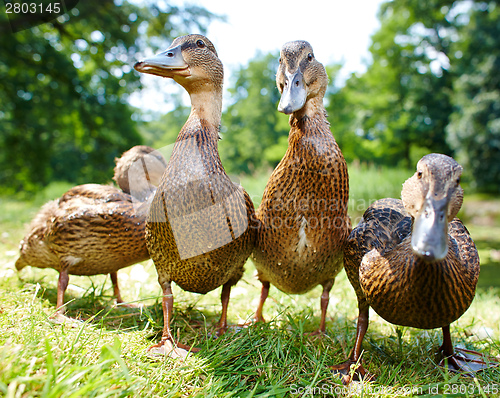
(303, 213)
(94, 229)
(200, 226)
(414, 262)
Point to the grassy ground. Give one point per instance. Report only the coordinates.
(105, 355)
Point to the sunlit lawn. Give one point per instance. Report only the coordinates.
(106, 355)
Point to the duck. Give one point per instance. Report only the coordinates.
(414, 262)
(201, 226)
(95, 229)
(138, 172)
(303, 213)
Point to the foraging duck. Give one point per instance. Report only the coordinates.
(201, 226)
(303, 213)
(94, 229)
(414, 262)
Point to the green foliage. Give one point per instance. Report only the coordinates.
(432, 86)
(474, 131)
(159, 130)
(402, 101)
(254, 134)
(64, 87)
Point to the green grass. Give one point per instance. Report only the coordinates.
(105, 355)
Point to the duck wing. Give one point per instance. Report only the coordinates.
(383, 226)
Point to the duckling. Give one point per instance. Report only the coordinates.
(201, 226)
(94, 229)
(414, 262)
(303, 213)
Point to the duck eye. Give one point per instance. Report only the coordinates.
(279, 60)
(309, 57)
(200, 43)
(458, 180)
(419, 174)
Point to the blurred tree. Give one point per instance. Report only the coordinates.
(254, 134)
(402, 103)
(64, 87)
(343, 108)
(162, 129)
(474, 131)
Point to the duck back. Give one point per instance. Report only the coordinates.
(84, 232)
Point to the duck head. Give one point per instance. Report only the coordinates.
(190, 60)
(300, 78)
(433, 196)
(139, 170)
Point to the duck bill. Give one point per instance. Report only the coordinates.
(169, 63)
(430, 230)
(294, 94)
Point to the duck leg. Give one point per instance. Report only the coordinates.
(224, 298)
(325, 299)
(62, 285)
(117, 294)
(116, 288)
(58, 316)
(167, 345)
(462, 360)
(263, 296)
(345, 368)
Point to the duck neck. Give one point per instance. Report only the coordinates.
(198, 139)
(311, 119)
(312, 109)
(207, 105)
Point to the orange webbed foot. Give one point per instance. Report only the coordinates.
(252, 321)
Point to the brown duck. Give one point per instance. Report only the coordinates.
(414, 262)
(303, 213)
(199, 230)
(94, 229)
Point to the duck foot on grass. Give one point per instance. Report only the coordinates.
(461, 360)
(467, 361)
(352, 371)
(317, 333)
(60, 318)
(174, 350)
(121, 304)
